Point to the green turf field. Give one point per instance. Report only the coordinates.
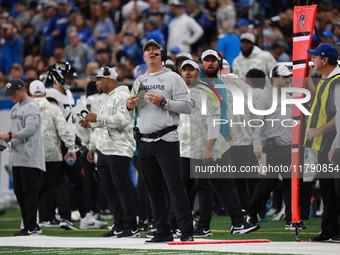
(272, 230)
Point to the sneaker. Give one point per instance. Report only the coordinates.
(335, 239)
(178, 232)
(271, 212)
(151, 234)
(202, 232)
(320, 238)
(20, 233)
(290, 226)
(51, 223)
(187, 237)
(151, 226)
(174, 233)
(244, 228)
(280, 215)
(34, 232)
(142, 226)
(90, 222)
(67, 225)
(161, 239)
(129, 233)
(113, 233)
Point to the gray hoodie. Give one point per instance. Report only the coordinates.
(152, 118)
(27, 148)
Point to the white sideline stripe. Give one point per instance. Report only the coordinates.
(293, 247)
(301, 38)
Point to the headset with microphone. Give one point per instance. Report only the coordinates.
(164, 54)
(220, 60)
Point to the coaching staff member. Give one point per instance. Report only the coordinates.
(160, 96)
(27, 155)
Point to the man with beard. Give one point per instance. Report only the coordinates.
(225, 187)
(251, 57)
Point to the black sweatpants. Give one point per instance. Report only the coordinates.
(25, 184)
(276, 156)
(227, 195)
(329, 224)
(240, 156)
(161, 159)
(115, 177)
(144, 208)
(54, 190)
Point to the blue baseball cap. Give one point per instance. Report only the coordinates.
(327, 33)
(175, 50)
(325, 50)
(242, 22)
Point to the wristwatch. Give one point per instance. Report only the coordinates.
(10, 135)
(163, 102)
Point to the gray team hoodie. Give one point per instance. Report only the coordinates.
(27, 148)
(152, 118)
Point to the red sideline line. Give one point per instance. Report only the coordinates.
(221, 242)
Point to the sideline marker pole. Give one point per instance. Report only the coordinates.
(303, 25)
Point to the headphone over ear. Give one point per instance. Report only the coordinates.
(220, 60)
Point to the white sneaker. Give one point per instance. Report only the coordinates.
(67, 225)
(281, 215)
(90, 222)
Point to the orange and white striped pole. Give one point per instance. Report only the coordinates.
(303, 25)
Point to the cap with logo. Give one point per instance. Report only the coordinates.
(107, 72)
(209, 53)
(325, 50)
(189, 62)
(280, 70)
(13, 85)
(151, 41)
(248, 36)
(37, 88)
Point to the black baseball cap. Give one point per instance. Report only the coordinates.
(13, 85)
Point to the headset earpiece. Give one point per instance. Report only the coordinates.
(164, 55)
(220, 61)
